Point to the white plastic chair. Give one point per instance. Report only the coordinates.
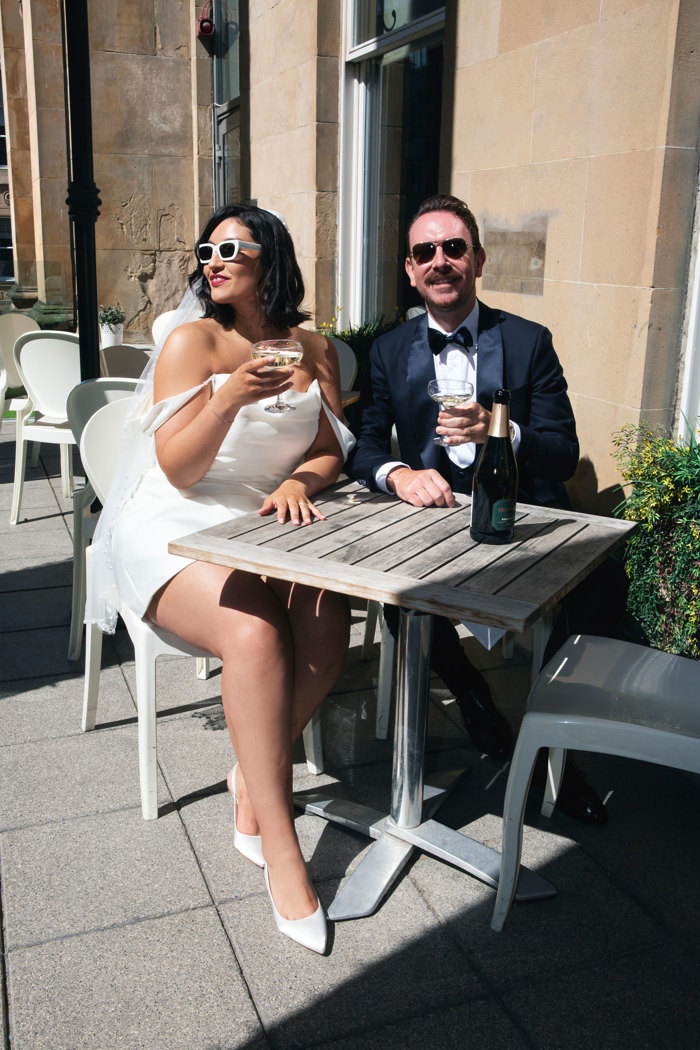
(123, 360)
(48, 364)
(160, 323)
(83, 401)
(347, 362)
(598, 694)
(12, 325)
(97, 444)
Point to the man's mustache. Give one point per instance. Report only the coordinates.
(440, 275)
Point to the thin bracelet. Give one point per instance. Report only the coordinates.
(228, 422)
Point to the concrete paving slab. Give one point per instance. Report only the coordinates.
(166, 984)
(72, 776)
(47, 607)
(540, 938)
(96, 872)
(37, 653)
(37, 571)
(642, 999)
(479, 1025)
(52, 707)
(651, 841)
(330, 852)
(374, 971)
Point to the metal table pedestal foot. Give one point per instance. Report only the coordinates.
(409, 825)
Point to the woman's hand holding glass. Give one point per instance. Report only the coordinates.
(251, 382)
(284, 352)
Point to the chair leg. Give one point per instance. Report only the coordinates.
(555, 771)
(20, 466)
(521, 769)
(36, 449)
(385, 681)
(82, 499)
(508, 645)
(67, 470)
(93, 664)
(202, 667)
(313, 744)
(540, 636)
(370, 628)
(146, 704)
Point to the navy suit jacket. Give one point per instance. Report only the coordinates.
(512, 352)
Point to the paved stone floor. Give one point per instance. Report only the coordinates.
(117, 933)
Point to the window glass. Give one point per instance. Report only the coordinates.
(227, 54)
(6, 264)
(373, 18)
(404, 118)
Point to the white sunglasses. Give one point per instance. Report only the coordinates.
(226, 250)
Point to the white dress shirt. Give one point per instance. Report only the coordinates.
(453, 362)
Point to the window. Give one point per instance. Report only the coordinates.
(391, 148)
(227, 92)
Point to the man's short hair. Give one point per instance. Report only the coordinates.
(446, 202)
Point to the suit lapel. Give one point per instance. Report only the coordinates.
(489, 364)
(420, 369)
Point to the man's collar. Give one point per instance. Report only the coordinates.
(471, 321)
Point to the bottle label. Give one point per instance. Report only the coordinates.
(503, 514)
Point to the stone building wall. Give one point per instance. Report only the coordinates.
(144, 135)
(294, 76)
(575, 141)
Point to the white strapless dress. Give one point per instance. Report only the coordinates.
(259, 451)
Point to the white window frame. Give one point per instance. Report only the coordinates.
(359, 171)
(689, 407)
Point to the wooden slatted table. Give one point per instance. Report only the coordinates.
(424, 561)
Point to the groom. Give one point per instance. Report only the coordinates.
(460, 337)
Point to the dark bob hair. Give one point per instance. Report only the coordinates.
(281, 287)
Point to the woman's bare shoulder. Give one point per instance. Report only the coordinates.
(188, 355)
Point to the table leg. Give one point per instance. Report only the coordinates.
(413, 803)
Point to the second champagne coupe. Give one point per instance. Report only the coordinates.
(449, 393)
(286, 352)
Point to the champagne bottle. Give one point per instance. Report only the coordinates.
(495, 484)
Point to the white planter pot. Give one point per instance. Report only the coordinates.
(111, 334)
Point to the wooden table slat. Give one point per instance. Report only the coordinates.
(510, 614)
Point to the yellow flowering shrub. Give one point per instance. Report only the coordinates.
(663, 556)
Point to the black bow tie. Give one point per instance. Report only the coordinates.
(438, 340)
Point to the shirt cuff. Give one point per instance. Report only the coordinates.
(516, 436)
(383, 472)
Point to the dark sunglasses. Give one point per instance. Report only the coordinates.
(454, 248)
(226, 250)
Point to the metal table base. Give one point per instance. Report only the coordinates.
(410, 824)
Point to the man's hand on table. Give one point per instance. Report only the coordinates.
(420, 488)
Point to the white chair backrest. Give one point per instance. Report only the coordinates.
(49, 366)
(123, 360)
(88, 397)
(347, 362)
(160, 323)
(100, 443)
(13, 325)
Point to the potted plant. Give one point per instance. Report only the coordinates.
(111, 320)
(662, 557)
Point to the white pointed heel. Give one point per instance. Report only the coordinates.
(249, 845)
(310, 932)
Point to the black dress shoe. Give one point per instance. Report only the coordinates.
(576, 797)
(488, 729)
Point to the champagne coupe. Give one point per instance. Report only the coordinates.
(449, 393)
(286, 352)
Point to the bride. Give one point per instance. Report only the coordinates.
(219, 453)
